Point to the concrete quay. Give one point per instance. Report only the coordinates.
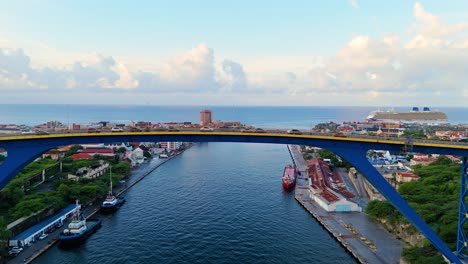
(348, 228)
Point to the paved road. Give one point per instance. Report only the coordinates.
(361, 201)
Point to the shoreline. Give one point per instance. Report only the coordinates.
(55, 241)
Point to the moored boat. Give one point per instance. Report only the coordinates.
(79, 229)
(111, 203)
(289, 177)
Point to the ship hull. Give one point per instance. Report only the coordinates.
(77, 239)
(289, 186)
(112, 208)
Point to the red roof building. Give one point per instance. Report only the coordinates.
(102, 152)
(81, 156)
(406, 177)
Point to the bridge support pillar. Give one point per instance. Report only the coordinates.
(359, 160)
(462, 241)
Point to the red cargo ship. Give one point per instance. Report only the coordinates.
(289, 177)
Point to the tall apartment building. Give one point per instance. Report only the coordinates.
(205, 117)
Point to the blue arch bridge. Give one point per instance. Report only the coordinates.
(24, 149)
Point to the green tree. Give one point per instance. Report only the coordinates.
(121, 168)
(10, 196)
(74, 149)
(121, 150)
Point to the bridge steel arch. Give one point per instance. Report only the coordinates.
(23, 150)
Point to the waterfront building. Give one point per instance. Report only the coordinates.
(206, 117)
(33, 233)
(136, 156)
(171, 145)
(327, 188)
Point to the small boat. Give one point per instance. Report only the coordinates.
(79, 229)
(111, 203)
(289, 177)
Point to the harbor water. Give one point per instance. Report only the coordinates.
(215, 203)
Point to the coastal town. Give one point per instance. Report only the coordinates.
(334, 192)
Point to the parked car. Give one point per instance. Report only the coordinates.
(206, 129)
(116, 129)
(43, 236)
(15, 251)
(294, 131)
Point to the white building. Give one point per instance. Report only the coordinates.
(137, 156)
(331, 201)
(171, 145)
(33, 233)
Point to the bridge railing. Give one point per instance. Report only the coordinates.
(266, 130)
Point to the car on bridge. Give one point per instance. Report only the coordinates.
(206, 129)
(294, 132)
(42, 132)
(259, 130)
(93, 130)
(116, 129)
(339, 134)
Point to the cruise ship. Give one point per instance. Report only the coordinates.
(415, 116)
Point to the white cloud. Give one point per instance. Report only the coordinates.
(354, 4)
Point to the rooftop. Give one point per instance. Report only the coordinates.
(35, 228)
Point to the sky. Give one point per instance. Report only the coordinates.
(207, 52)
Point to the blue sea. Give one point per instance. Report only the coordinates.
(264, 116)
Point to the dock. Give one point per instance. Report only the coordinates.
(350, 229)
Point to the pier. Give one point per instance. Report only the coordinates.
(350, 229)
